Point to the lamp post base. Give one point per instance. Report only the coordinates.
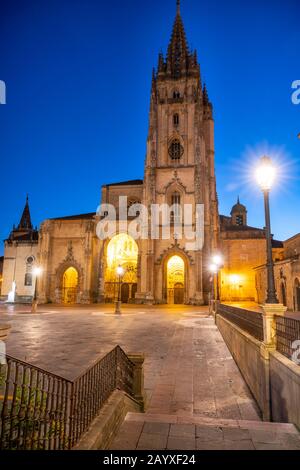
(118, 307)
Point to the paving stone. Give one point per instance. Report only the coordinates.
(178, 443)
(152, 442)
(236, 434)
(183, 430)
(208, 433)
(266, 437)
(239, 445)
(157, 428)
(210, 445)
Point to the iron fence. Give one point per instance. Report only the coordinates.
(247, 320)
(43, 411)
(287, 332)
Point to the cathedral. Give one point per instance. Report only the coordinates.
(78, 267)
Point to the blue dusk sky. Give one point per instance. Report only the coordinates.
(78, 77)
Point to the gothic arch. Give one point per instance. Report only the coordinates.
(174, 185)
(283, 296)
(60, 271)
(296, 295)
(174, 251)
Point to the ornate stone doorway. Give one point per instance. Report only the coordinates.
(70, 286)
(122, 250)
(175, 280)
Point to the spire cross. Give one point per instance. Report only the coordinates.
(178, 7)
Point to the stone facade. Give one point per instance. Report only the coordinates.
(287, 274)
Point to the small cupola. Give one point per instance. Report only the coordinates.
(238, 214)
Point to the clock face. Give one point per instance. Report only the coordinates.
(176, 150)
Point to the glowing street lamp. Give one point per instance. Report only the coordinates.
(217, 263)
(265, 176)
(213, 269)
(120, 273)
(37, 271)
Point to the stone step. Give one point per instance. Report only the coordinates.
(286, 428)
(173, 432)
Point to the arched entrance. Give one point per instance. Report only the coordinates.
(70, 286)
(122, 250)
(297, 295)
(175, 280)
(283, 294)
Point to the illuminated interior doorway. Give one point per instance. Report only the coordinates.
(175, 280)
(70, 286)
(122, 250)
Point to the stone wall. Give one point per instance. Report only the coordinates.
(285, 389)
(246, 352)
(274, 383)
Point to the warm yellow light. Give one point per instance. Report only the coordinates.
(120, 271)
(265, 173)
(175, 270)
(121, 248)
(37, 271)
(122, 251)
(217, 260)
(213, 268)
(234, 279)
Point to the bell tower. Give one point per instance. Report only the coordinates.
(180, 157)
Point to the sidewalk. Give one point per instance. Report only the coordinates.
(201, 401)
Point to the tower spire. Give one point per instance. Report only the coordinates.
(178, 7)
(25, 222)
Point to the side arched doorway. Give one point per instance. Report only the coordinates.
(297, 295)
(175, 280)
(122, 250)
(70, 286)
(283, 294)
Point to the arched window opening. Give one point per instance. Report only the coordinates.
(176, 95)
(176, 120)
(176, 207)
(297, 295)
(28, 273)
(283, 294)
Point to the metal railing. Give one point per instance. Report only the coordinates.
(287, 332)
(247, 320)
(43, 411)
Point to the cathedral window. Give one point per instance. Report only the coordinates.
(176, 95)
(176, 150)
(28, 279)
(176, 209)
(176, 120)
(28, 274)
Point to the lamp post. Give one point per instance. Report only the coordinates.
(213, 268)
(36, 272)
(218, 262)
(120, 274)
(265, 175)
